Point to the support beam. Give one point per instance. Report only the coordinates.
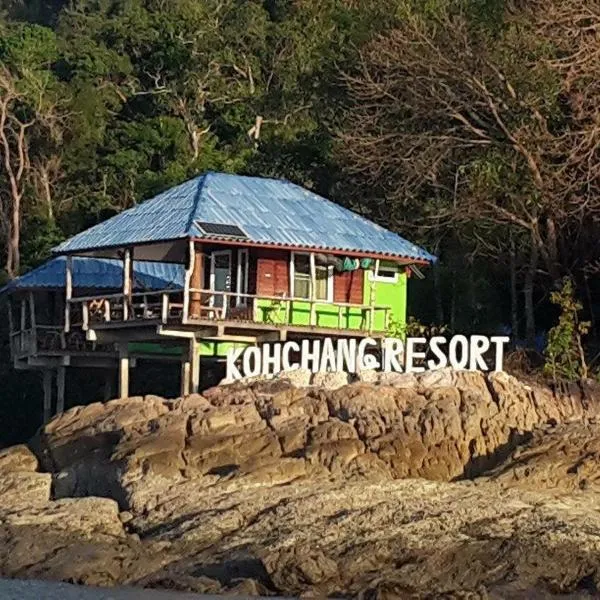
(60, 390)
(194, 366)
(47, 395)
(68, 292)
(185, 375)
(196, 279)
(313, 285)
(189, 269)
(123, 371)
(127, 282)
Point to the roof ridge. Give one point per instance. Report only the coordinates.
(196, 201)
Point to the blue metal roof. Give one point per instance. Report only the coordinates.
(99, 273)
(270, 211)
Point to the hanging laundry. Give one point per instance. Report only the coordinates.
(351, 264)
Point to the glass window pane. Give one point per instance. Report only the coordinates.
(301, 286)
(302, 264)
(322, 274)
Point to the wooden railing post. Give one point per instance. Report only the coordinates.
(33, 346)
(107, 310)
(313, 285)
(68, 292)
(85, 316)
(225, 300)
(165, 308)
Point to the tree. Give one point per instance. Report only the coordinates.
(479, 125)
(30, 127)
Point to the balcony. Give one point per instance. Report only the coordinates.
(202, 307)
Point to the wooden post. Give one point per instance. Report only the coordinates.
(189, 269)
(60, 390)
(33, 339)
(185, 374)
(85, 316)
(23, 335)
(313, 285)
(372, 298)
(127, 271)
(123, 370)
(164, 313)
(47, 395)
(68, 292)
(194, 366)
(196, 280)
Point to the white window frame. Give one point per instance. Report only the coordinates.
(313, 278)
(375, 276)
(213, 256)
(242, 277)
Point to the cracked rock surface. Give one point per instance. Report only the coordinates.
(442, 484)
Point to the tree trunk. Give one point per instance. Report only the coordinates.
(514, 297)
(590, 302)
(528, 292)
(15, 237)
(437, 290)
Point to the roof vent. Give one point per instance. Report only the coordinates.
(221, 230)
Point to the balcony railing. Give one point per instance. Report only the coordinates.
(51, 339)
(173, 307)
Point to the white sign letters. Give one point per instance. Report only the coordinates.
(413, 355)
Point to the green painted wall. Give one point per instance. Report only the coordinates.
(388, 294)
(326, 315)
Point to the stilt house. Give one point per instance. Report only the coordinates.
(217, 261)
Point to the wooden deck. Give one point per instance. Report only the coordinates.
(220, 313)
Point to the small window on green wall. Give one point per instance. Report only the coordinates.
(385, 272)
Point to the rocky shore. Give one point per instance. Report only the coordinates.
(446, 484)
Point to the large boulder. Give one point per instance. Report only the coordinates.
(273, 488)
(439, 425)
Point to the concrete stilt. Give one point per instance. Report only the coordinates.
(47, 395)
(185, 376)
(194, 366)
(123, 371)
(60, 389)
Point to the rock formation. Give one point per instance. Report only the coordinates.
(417, 486)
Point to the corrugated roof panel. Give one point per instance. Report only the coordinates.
(102, 273)
(271, 212)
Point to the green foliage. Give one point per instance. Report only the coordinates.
(414, 328)
(565, 358)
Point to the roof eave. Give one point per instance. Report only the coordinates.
(84, 252)
(336, 251)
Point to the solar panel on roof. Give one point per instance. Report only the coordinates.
(221, 229)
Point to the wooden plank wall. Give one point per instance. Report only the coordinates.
(348, 287)
(272, 273)
(272, 278)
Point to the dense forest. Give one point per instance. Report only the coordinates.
(469, 126)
